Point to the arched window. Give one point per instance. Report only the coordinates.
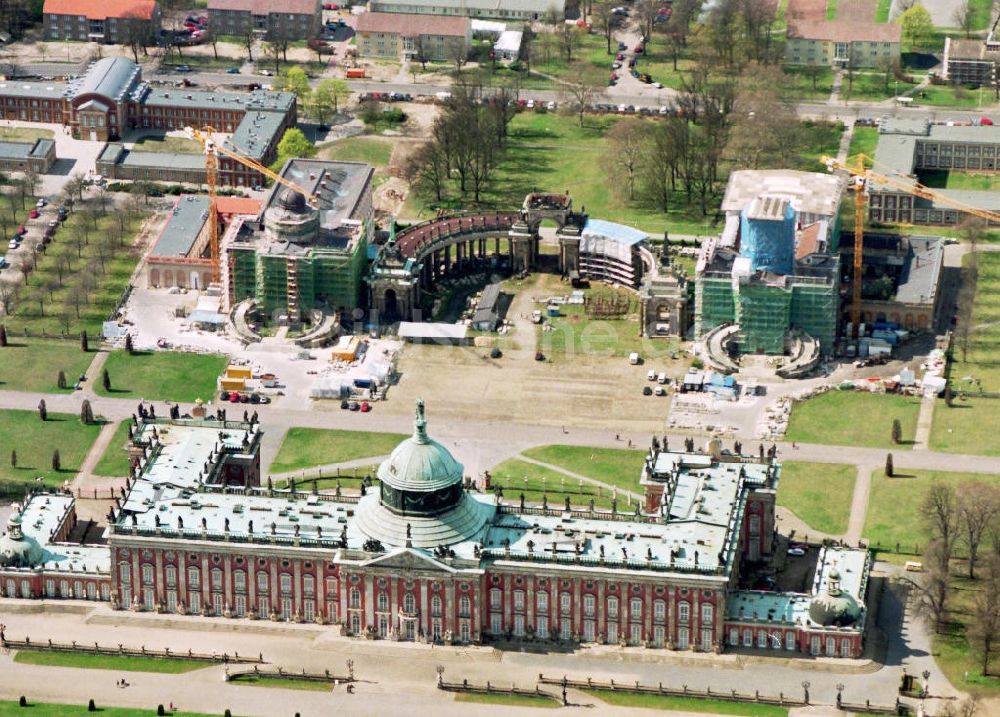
(124, 572)
(496, 597)
(216, 578)
(194, 577)
(262, 582)
(355, 601)
(308, 584)
(754, 525)
(240, 580)
(542, 602)
(383, 602)
(659, 610)
(707, 612)
(170, 573)
(409, 603)
(147, 574)
(464, 606)
(436, 605)
(683, 612)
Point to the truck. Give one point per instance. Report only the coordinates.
(633, 358)
(355, 73)
(536, 316)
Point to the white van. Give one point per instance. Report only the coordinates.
(651, 376)
(662, 378)
(633, 358)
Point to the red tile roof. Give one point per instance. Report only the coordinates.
(237, 205)
(101, 10)
(807, 241)
(413, 25)
(265, 7)
(843, 31)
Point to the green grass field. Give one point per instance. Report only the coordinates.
(979, 358)
(517, 477)
(967, 426)
(613, 466)
(949, 96)
(309, 447)
(162, 375)
(872, 86)
(552, 150)
(687, 704)
(10, 708)
(125, 663)
(35, 440)
(952, 651)
(864, 141)
(818, 493)
(34, 364)
(801, 84)
(375, 152)
(957, 179)
(24, 134)
(76, 284)
(164, 143)
(350, 480)
(892, 498)
(832, 418)
(114, 462)
(286, 683)
(506, 700)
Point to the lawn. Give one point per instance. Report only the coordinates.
(872, 86)
(538, 702)
(619, 467)
(951, 649)
(687, 704)
(34, 440)
(350, 479)
(864, 140)
(818, 493)
(832, 418)
(166, 143)
(981, 12)
(977, 361)
(309, 447)
(535, 482)
(375, 152)
(114, 462)
(575, 334)
(161, 375)
(957, 179)
(10, 708)
(34, 364)
(893, 499)
(287, 683)
(967, 426)
(125, 663)
(24, 134)
(952, 96)
(802, 84)
(882, 10)
(81, 276)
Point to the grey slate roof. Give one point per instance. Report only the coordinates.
(111, 77)
(186, 221)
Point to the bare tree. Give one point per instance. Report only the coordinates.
(984, 628)
(978, 506)
(628, 140)
(964, 17)
(427, 169)
(604, 19)
(249, 38)
(941, 517)
(570, 39)
(933, 588)
(457, 52)
(581, 90)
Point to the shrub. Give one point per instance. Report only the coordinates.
(23, 702)
(160, 712)
(91, 707)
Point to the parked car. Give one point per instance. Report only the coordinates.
(40, 203)
(659, 391)
(647, 391)
(22, 230)
(224, 396)
(365, 407)
(3, 262)
(232, 70)
(13, 244)
(54, 224)
(355, 406)
(63, 212)
(183, 68)
(345, 404)
(33, 214)
(797, 552)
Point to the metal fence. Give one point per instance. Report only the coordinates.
(281, 673)
(120, 650)
(491, 689)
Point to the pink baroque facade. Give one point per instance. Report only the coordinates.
(422, 557)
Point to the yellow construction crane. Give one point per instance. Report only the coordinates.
(861, 178)
(212, 151)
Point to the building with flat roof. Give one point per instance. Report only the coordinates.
(907, 147)
(969, 62)
(109, 21)
(270, 19)
(111, 98)
(852, 37)
(499, 9)
(37, 157)
(295, 257)
(181, 254)
(426, 556)
(775, 268)
(418, 37)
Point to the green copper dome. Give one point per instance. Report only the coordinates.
(834, 607)
(419, 463)
(16, 549)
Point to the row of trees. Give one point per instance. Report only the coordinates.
(965, 517)
(466, 145)
(322, 101)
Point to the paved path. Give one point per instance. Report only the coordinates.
(859, 504)
(94, 455)
(922, 437)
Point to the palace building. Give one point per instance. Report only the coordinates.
(424, 556)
